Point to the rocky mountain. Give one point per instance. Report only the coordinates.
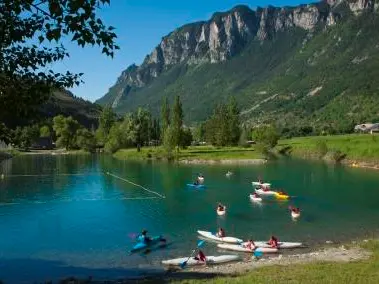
(274, 60)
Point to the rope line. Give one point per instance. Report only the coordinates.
(140, 186)
(76, 200)
(48, 175)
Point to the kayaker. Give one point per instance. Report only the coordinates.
(220, 207)
(201, 257)
(260, 180)
(221, 233)
(256, 195)
(273, 242)
(143, 237)
(250, 245)
(196, 182)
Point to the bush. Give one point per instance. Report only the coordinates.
(321, 148)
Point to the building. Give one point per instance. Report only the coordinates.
(367, 128)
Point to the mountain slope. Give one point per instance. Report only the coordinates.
(294, 63)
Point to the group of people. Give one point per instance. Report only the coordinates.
(273, 242)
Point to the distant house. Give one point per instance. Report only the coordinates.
(43, 143)
(367, 127)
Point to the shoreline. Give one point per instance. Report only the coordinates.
(328, 254)
(223, 161)
(347, 253)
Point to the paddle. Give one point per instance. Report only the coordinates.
(184, 263)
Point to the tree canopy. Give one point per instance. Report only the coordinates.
(31, 33)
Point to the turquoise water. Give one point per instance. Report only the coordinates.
(62, 216)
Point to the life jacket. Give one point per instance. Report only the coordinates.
(201, 256)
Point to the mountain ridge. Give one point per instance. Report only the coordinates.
(225, 37)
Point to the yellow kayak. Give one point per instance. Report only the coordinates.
(281, 196)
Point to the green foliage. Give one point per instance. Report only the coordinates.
(44, 131)
(222, 129)
(177, 121)
(321, 148)
(86, 140)
(106, 120)
(23, 137)
(199, 132)
(186, 138)
(66, 130)
(352, 146)
(266, 136)
(165, 114)
(5, 133)
(26, 77)
(169, 141)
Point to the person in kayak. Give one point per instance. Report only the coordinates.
(250, 245)
(260, 180)
(256, 195)
(294, 209)
(220, 207)
(144, 238)
(201, 257)
(221, 233)
(273, 242)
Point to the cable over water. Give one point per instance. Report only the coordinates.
(140, 186)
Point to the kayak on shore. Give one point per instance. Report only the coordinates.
(242, 248)
(209, 260)
(281, 245)
(214, 237)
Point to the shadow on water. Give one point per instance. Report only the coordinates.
(46, 271)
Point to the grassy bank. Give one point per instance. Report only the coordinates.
(360, 147)
(364, 271)
(191, 153)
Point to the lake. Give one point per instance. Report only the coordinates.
(64, 215)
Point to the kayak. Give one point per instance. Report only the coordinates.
(281, 245)
(244, 249)
(195, 186)
(229, 174)
(265, 192)
(295, 215)
(201, 179)
(209, 260)
(256, 199)
(221, 212)
(212, 236)
(281, 196)
(257, 183)
(142, 245)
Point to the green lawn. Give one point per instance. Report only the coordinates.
(363, 147)
(366, 271)
(195, 152)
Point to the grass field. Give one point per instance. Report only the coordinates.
(366, 271)
(361, 147)
(196, 152)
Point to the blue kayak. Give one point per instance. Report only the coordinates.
(143, 245)
(195, 185)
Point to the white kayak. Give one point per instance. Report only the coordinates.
(221, 212)
(265, 192)
(256, 199)
(210, 260)
(212, 236)
(245, 249)
(295, 215)
(257, 183)
(281, 245)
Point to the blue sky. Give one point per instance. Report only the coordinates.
(140, 25)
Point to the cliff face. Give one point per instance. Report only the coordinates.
(225, 35)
